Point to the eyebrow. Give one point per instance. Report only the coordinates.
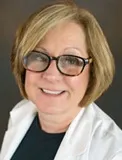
(80, 52)
(42, 48)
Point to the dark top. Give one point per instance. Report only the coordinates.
(37, 144)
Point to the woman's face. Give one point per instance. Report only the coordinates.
(51, 91)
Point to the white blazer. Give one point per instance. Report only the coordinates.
(91, 136)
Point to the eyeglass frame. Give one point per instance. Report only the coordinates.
(85, 62)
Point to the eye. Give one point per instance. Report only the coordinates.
(41, 58)
(37, 56)
(70, 60)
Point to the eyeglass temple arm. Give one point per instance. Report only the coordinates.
(88, 60)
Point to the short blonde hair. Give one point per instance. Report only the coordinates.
(38, 24)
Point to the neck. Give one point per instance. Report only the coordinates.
(56, 123)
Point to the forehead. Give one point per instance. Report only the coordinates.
(64, 35)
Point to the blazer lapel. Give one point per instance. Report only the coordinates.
(77, 138)
(20, 119)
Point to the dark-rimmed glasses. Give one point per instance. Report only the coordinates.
(69, 65)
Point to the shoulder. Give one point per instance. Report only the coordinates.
(20, 111)
(20, 104)
(107, 125)
(106, 137)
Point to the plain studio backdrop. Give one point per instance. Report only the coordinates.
(15, 12)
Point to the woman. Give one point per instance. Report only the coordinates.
(62, 64)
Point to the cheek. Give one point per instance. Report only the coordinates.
(84, 78)
(79, 83)
(30, 81)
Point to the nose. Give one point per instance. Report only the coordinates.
(52, 73)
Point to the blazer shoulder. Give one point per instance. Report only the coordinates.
(20, 104)
(21, 110)
(106, 135)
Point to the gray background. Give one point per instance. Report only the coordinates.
(15, 12)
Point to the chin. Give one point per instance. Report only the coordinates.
(49, 108)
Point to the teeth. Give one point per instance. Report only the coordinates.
(51, 92)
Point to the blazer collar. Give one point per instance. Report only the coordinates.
(20, 120)
(78, 135)
(22, 110)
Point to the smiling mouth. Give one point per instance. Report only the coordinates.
(52, 92)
